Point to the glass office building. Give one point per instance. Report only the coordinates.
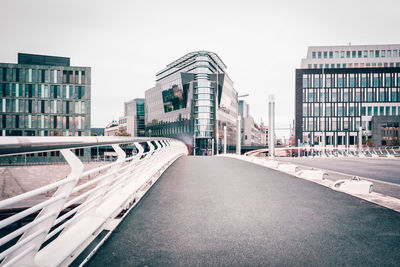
(333, 103)
(44, 96)
(134, 115)
(193, 100)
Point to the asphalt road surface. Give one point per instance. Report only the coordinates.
(208, 211)
(379, 169)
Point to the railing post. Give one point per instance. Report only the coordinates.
(91, 208)
(42, 229)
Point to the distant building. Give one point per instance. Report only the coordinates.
(342, 88)
(97, 131)
(44, 96)
(253, 134)
(112, 128)
(134, 113)
(193, 100)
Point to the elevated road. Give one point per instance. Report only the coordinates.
(222, 211)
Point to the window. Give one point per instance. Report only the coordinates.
(319, 54)
(369, 96)
(369, 111)
(383, 53)
(342, 54)
(375, 111)
(371, 53)
(393, 96)
(389, 53)
(376, 53)
(325, 54)
(338, 65)
(330, 54)
(345, 96)
(387, 111)
(313, 54)
(394, 55)
(359, 54)
(394, 111)
(381, 110)
(305, 82)
(347, 54)
(315, 66)
(310, 96)
(353, 54)
(381, 96)
(365, 53)
(351, 82)
(363, 111)
(340, 82)
(363, 81)
(336, 54)
(309, 66)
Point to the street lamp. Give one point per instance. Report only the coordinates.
(238, 131)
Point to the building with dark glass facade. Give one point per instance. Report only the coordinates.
(44, 96)
(333, 100)
(134, 115)
(193, 100)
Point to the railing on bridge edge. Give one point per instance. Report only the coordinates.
(95, 205)
(333, 151)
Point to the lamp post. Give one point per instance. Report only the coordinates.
(238, 128)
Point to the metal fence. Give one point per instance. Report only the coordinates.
(80, 209)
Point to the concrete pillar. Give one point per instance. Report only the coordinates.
(212, 147)
(360, 138)
(225, 139)
(238, 136)
(271, 125)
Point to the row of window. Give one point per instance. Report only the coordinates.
(16, 132)
(42, 122)
(368, 95)
(42, 76)
(328, 110)
(318, 124)
(41, 90)
(356, 54)
(43, 106)
(351, 80)
(354, 65)
(170, 130)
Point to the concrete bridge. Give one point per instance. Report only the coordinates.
(162, 207)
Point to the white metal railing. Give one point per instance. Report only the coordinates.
(54, 238)
(333, 151)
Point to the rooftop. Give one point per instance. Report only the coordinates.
(34, 59)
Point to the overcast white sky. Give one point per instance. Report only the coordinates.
(127, 42)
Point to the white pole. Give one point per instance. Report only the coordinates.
(360, 138)
(238, 135)
(212, 147)
(216, 116)
(225, 139)
(271, 125)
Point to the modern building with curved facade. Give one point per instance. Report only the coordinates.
(193, 100)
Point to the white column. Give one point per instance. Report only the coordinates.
(271, 125)
(225, 139)
(238, 135)
(360, 138)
